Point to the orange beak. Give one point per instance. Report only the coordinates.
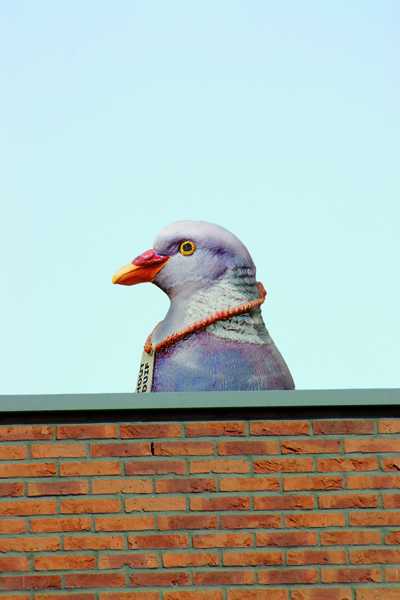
(143, 268)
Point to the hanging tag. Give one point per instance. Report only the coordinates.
(145, 378)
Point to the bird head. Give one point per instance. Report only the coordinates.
(187, 255)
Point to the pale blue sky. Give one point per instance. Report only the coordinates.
(278, 120)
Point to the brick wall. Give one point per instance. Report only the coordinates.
(277, 509)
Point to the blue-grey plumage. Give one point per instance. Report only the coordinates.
(203, 268)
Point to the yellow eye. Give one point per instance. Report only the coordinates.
(187, 247)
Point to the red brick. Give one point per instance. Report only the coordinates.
(61, 596)
(125, 523)
(219, 465)
(30, 582)
(391, 463)
(120, 449)
(350, 575)
(240, 447)
(179, 540)
(151, 430)
(130, 596)
(26, 432)
(86, 431)
(250, 521)
(310, 446)
(189, 485)
(90, 505)
(12, 452)
(225, 577)
(190, 559)
(155, 467)
(343, 426)
(189, 595)
(164, 578)
(223, 540)
(16, 597)
(378, 594)
(58, 488)
(280, 428)
(286, 538)
(64, 562)
(11, 489)
(94, 542)
(233, 558)
(251, 594)
(359, 482)
(372, 445)
(348, 501)
(368, 519)
(389, 426)
(316, 557)
(375, 555)
(122, 486)
(284, 465)
(57, 449)
(131, 560)
(323, 594)
(344, 538)
(95, 580)
(273, 576)
(215, 428)
(61, 524)
(323, 482)
(189, 448)
(392, 574)
(315, 520)
(27, 470)
(220, 503)
(29, 544)
(12, 525)
(393, 538)
(13, 563)
(27, 507)
(365, 463)
(160, 503)
(249, 484)
(187, 522)
(288, 502)
(90, 467)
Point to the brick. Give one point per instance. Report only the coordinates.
(64, 562)
(359, 482)
(365, 463)
(372, 445)
(27, 507)
(240, 447)
(12, 452)
(94, 542)
(160, 503)
(86, 431)
(323, 594)
(121, 449)
(61, 524)
(179, 540)
(284, 465)
(90, 505)
(361, 519)
(343, 426)
(310, 446)
(62, 596)
(122, 486)
(95, 580)
(187, 522)
(378, 594)
(351, 575)
(282, 576)
(286, 538)
(56, 450)
(289, 502)
(189, 485)
(190, 559)
(29, 544)
(131, 560)
(223, 540)
(155, 467)
(30, 582)
(375, 555)
(219, 466)
(393, 538)
(125, 523)
(192, 595)
(389, 426)
(16, 596)
(323, 482)
(391, 463)
(220, 503)
(27, 470)
(250, 521)
(58, 488)
(130, 596)
(253, 558)
(90, 468)
(392, 574)
(263, 594)
(26, 432)
(348, 501)
(189, 448)
(215, 428)
(280, 428)
(249, 484)
(316, 557)
(13, 563)
(151, 430)
(164, 578)
(225, 577)
(344, 538)
(11, 489)
(12, 525)
(315, 520)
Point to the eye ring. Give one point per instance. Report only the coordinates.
(187, 248)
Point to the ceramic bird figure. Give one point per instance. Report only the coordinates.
(213, 336)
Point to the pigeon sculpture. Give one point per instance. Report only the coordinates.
(213, 336)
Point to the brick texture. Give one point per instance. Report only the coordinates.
(257, 509)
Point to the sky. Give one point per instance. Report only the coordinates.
(278, 120)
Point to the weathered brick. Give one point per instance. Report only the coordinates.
(179, 540)
(12, 452)
(223, 540)
(27, 507)
(94, 542)
(87, 431)
(164, 578)
(58, 488)
(11, 489)
(122, 486)
(249, 484)
(250, 521)
(280, 428)
(16, 596)
(240, 447)
(30, 582)
(389, 426)
(392, 574)
(344, 538)
(187, 485)
(225, 577)
(316, 557)
(61, 596)
(125, 523)
(372, 445)
(61, 524)
(26, 432)
(13, 563)
(121, 449)
(324, 482)
(189, 448)
(29, 544)
(391, 463)
(12, 526)
(344, 426)
(257, 594)
(130, 596)
(310, 446)
(90, 505)
(254, 558)
(339, 463)
(378, 594)
(149, 560)
(219, 465)
(151, 430)
(190, 559)
(90, 468)
(383, 518)
(192, 595)
(27, 470)
(375, 555)
(285, 575)
(315, 520)
(393, 538)
(284, 465)
(350, 575)
(160, 503)
(215, 428)
(57, 449)
(348, 501)
(220, 503)
(288, 502)
(359, 482)
(286, 538)
(64, 562)
(158, 467)
(187, 522)
(95, 580)
(323, 594)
